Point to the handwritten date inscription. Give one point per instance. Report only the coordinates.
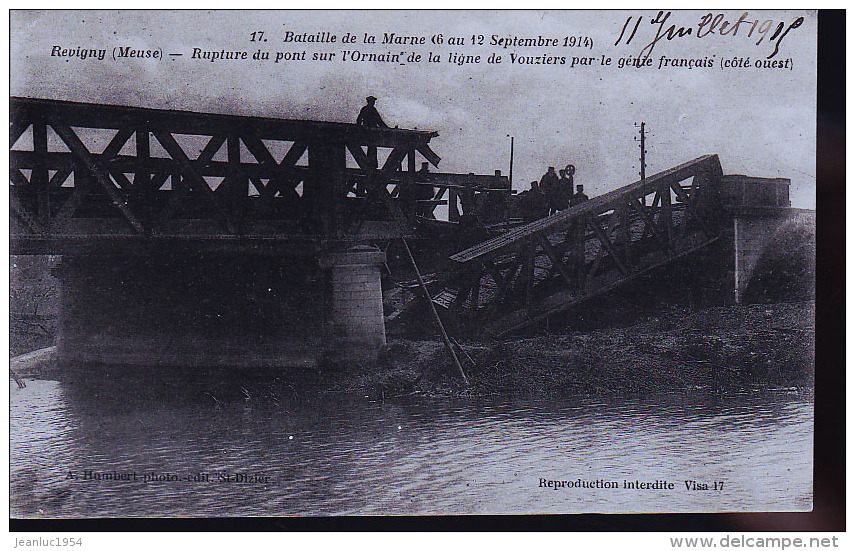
(710, 24)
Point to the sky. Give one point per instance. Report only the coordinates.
(760, 121)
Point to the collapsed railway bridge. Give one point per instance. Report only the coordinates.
(195, 239)
(561, 261)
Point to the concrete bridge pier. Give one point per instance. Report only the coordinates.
(355, 327)
(760, 208)
(751, 236)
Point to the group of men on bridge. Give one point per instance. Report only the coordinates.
(552, 194)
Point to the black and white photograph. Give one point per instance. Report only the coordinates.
(397, 263)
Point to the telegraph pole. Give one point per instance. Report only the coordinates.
(511, 168)
(510, 182)
(643, 164)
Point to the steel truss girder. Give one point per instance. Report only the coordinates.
(79, 192)
(64, 187)
(583, 251)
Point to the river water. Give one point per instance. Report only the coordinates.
(75, 455)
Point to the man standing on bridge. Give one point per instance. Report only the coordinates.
(368, 116)
(579, 196)
(549, 187)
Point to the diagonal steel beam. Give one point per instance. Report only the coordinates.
(428, 154)
(97, 170)
(690, 205)
(67, 210)
(60, 176)
(17, 177)
(607, 243)
(475, 294)
(117, 143)
(197, 182)
(16, 130)
(648, 222)
(24, 215)
(359, 156)
(556, 262)
(259, 150)
(377, 184)
(211, 149)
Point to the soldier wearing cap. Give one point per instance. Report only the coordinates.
(579, 196)
(368, 115)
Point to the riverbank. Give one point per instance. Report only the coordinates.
(729, 348)
(721, 349)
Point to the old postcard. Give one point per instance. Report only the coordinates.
(335, 263)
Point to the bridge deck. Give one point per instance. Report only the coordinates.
(93, 115)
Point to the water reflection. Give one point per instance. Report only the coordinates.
(336, 454)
